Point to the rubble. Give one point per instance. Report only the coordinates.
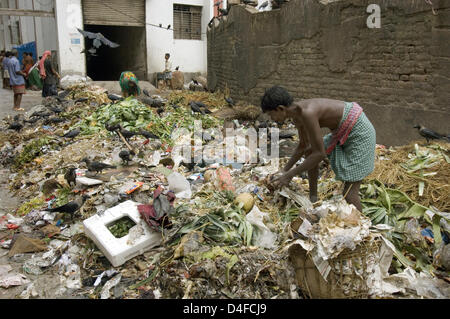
(162, 227)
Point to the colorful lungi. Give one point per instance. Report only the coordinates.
(353, 157)
(19, 89)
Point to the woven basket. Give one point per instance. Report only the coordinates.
(347, 278)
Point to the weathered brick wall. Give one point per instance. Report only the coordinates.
(399, 73)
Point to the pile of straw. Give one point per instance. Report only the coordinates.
(389, 171)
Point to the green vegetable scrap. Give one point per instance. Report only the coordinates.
(134, 116)
(27, 207)
(62, 196)
(121, 227)
(31, 151)
(226, 225)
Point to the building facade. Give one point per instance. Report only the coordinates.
(145, 30)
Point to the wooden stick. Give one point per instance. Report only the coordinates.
(125, 141)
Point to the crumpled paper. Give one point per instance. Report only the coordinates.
(342, 227)
(11, 279)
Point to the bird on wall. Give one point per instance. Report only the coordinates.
(430, 134)
(99, 40)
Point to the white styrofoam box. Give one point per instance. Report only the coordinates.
(118, 250)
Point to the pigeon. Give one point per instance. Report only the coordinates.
(148, 135)
(112, 128)
(81, 100)
(54, 120)
(195, 108)
(217, 3)
(168, 27)
(72, 134)
(16, 126)
(160, 111)
(201, 104)
(264, 4)
(195, 81)
(157, 104)
(46, 114)
(146, 93)
(37, 114)
(114, 97)
(32, 120)
(41, 114)
(430, 134)
(71, 207)
(71, 176)
(125, 156)
(160, 25)
(54, 109)
(96, 166)
(230, 101)
(99, 40)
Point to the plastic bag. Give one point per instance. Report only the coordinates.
(262, 235)
(179, 185)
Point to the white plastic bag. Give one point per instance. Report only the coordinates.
(179, 185)
(262, 236)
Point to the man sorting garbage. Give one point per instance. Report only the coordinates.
(350, 146)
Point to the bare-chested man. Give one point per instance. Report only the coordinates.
(350, 147)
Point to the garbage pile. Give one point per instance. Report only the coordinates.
(111, 210)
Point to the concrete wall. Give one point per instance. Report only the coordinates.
(69, 18)
(190, 55)
(399, 73)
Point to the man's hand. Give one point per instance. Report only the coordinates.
(283, 180)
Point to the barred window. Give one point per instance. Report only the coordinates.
(14, 28)
(187, 22)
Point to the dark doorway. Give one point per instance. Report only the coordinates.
(110, 63)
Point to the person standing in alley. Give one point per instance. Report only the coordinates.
(17, 79)
(49, 75)
(168, 71)
(28, 63)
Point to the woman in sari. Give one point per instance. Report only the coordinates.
(28, 63)
(49, 75)
(34, 78)
(129, 84)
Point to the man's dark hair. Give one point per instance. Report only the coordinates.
(8, 54)
(168, 54)
(274, 97)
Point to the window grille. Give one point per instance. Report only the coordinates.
(187, 22)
